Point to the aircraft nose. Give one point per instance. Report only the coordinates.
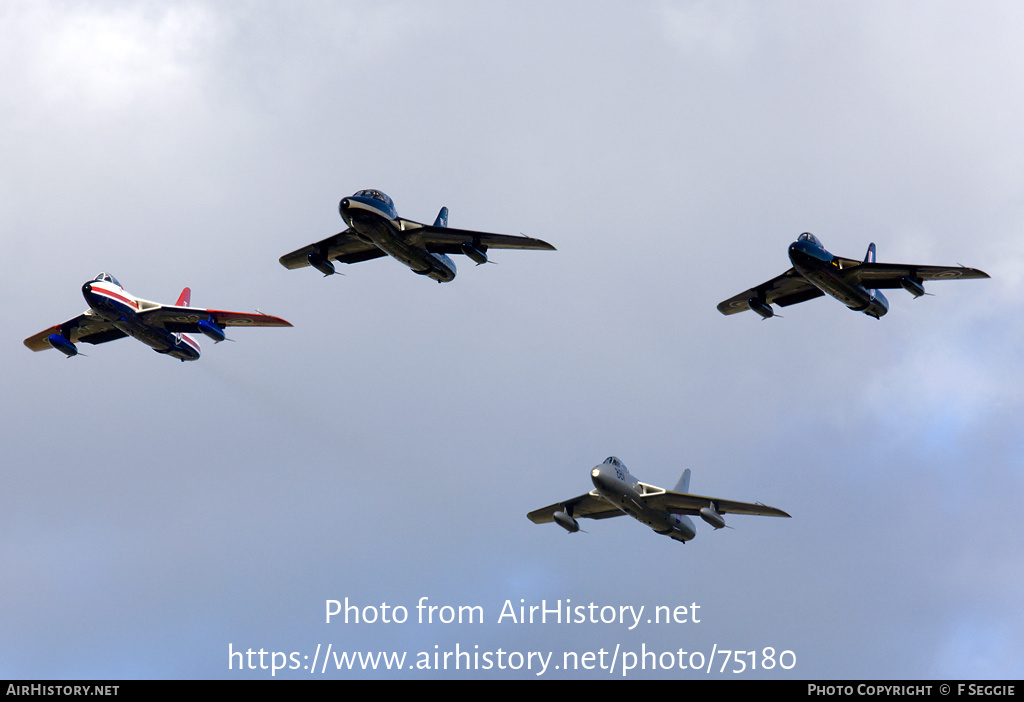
(800, 252)
(806, 250)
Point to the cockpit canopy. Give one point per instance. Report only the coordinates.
(376, 195)
(807, 236)
(106, 278)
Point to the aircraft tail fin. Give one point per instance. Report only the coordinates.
(876, 295)
(442, 218)
(185, 298)
(869, 257)
(683, 485)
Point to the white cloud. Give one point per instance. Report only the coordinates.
(724, 31)
(84, 58)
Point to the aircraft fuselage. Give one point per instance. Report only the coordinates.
(119, 308)
(377, 223)
(619, 487)
(822, 270)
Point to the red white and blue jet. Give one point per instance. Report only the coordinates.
(115, 314)
(816, 272)
(376, 230)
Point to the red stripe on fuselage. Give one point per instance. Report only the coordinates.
(115, 296)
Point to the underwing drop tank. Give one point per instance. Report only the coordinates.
(712, 517)
(914, 287)
(59, 342)
(474, 253)
(762, 308)
(320, 263)
(563, 520)
(211, 330)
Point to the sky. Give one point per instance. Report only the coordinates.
(162, 519)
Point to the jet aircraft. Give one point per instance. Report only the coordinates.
(856, 284)
(617, 492)
(376, 230)
(114, 314)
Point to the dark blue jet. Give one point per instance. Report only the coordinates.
(376, 230)
(856, 284)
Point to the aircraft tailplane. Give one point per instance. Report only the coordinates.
(683, 485)
(185, 298)
(442, 218)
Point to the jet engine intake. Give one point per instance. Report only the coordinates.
(563, 520)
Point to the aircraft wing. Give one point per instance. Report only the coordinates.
(784, 290)
(185, 319)
(591, 505)
(679, 503)
(445, 240)
(86, 327)
(347, 247)
(887, 275)
(344, 246)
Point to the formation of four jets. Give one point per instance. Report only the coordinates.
(375, 230)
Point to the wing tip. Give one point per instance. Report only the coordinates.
(291, 261)
(731, 306)
(775, 511)
(38, 342)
